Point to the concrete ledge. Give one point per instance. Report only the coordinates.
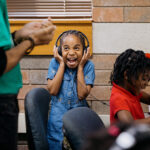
(105, 119)
(22, 124)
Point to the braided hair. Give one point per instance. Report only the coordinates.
(73, 32)
(131, 61)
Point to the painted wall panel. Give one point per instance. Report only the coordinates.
(116, 37)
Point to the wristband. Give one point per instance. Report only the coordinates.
(13, 37)
(32, 44)
(23, 39)
(28, 51)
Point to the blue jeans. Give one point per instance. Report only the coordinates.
(55, 124)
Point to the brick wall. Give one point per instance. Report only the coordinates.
(117, 25)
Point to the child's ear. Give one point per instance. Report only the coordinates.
(125, 75)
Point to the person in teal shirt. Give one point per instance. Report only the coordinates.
(32, 34)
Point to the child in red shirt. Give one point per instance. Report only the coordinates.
(129, 77)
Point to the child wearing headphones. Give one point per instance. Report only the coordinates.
(130, 75)
(70, 79)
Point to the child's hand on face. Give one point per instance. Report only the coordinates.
(57, 56)
(85, 57)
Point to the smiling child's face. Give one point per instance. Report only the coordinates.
(142, 81)
(72, 51)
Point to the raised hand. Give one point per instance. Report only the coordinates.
(47, 22)
(27, 29)
(44, 35)
(40, 32)
(86, 56)
(57, 56)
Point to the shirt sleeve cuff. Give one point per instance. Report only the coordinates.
(3, 61)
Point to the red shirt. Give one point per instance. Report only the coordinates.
(122, 99)
(147, 55)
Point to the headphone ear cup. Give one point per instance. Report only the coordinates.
(59, 51)
(85, 50)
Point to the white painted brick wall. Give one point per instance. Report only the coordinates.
(117, 37)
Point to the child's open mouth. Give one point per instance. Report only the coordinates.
(72, 61)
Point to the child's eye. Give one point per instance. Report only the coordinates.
(76, 48)
(66, 48)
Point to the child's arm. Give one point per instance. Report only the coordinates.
(55, 83)
(125, 116)
(82, 89)
(145, 98)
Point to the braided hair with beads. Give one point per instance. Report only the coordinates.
(133, 62)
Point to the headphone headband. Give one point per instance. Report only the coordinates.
(72, 30)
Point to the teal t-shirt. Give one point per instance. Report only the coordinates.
(10, 82)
